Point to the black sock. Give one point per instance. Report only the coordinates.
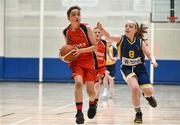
(96, 100)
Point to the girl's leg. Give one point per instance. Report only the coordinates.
(148, 94)
(105, 83)
(111, 84)
(97, 88)
(135, 92)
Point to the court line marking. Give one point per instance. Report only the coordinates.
(65, 112)
(56, 109)
(7, 114)
(24, 120)
(62, 107)
(65, 106)
(68, 105)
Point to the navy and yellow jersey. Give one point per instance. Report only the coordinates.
(133, 59)
(130, 52)
(113, 52)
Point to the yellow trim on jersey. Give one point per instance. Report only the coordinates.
(108, 60)
(147, 85)
(129, 76)
(119, 47)
(130, 41)
(141, 43)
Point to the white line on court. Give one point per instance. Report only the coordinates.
(56, 109)
(62, 107)
(65, 106)
(68, 105)
(18, 122)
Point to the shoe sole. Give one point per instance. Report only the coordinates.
(154, 106)
(91, 117)
(137, 121)
(91, 114)
(80, 120)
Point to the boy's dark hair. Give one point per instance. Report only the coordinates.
(71, 8)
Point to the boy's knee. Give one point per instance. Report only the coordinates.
(78, 84)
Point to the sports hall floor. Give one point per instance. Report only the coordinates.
(53, 104)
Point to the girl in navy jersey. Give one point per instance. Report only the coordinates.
(131, 49)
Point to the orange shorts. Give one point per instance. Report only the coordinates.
(87, 74)
(100, 73)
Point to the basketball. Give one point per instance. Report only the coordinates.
(66, 53)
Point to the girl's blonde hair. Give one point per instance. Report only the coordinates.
(141, 30)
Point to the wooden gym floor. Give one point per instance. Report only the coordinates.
(53, 104)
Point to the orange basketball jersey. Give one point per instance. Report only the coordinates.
(100, 53)
(80, 40)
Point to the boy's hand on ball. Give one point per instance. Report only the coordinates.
(76, 52)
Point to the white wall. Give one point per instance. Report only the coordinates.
(1, 27)
(22, 24)
(22, 28)
(167, 44)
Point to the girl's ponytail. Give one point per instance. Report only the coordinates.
(141, 30)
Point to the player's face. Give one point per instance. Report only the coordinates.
(97, 34)
(75, 16)
(130, 29)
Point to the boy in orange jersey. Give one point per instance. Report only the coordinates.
(101, 60)
(83, 68)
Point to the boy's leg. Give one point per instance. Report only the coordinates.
(90, 78)
(92, 102)
(78, 78)
(79, 99)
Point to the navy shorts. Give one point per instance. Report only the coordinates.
(111, 69)
(139, 71)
